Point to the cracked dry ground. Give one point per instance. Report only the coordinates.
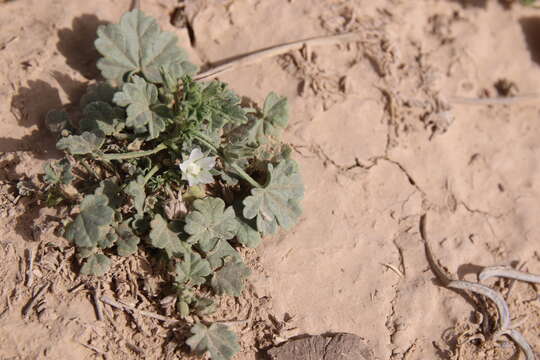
(382, 134)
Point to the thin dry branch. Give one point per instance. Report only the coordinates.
(30, 269)
(120, 305)
(28, 307)
(275, 51)
(95, 297)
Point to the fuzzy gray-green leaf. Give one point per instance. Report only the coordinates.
(97, 264)
(108, 240)
(86, 143)
(277, 204)
(100, 116)
(210, 222)
(111, 190)
(230, 278)
(137, 44)
(92, 223)
(162, 237)
(274, 119)
(217, 339)
(56, 120)
(127, 241)
(138, 96)
(247, 234)
(223, 250)
(58, 172)
(193, 269)
(135, 189)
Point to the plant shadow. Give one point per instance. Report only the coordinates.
(471, 3)
(32, 102)
(531, 30)
(77, 45)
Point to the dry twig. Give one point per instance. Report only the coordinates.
(119, 305)
(274, 51)
(30, 304)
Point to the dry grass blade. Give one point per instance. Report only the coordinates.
(30, 269)
(28, 307)
(119, 305)
(520, 341)
(498, 300)
(275, 51)
(509, 273)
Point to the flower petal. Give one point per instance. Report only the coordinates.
(196, 154)
(205, 177)
(207, 163)
(192, 181)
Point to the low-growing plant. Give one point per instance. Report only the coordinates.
(159, 160)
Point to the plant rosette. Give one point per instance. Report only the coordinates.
(162, 161)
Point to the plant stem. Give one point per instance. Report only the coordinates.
(88, 168)
(134, 154)
(206, 142)
(245, 175)
(151, 173)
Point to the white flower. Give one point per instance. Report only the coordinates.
(196, 168)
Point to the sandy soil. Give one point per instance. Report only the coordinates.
(383, 132)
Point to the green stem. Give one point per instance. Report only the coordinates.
(206, 142)
(245, 175)
(151, 173)
(134, 154)
(88, 168)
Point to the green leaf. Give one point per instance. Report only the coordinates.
(92, 223)
(56, 120)
(100, 116)
(139, 96)
(85, 252)
(277, 204)
(276, 111)
(216, 257)
(102, 91)
(204, 306)
(162, 237)
(230, 278)
(111, 190)
(135, 189)
(193, 269)
(86, 143)
(137, 44)
(247, 234)
(58, 172)
(210, 222)
(213, 103)
(127, 241)
(108, 240)
(217, 339)
(97, 264)
(274, 119)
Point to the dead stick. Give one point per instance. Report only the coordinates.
(95, 297)
(30, 270)
(28, 307)
(94, 349)
(119, 305)
(274, 51)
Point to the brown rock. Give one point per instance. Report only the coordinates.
(323, 347)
